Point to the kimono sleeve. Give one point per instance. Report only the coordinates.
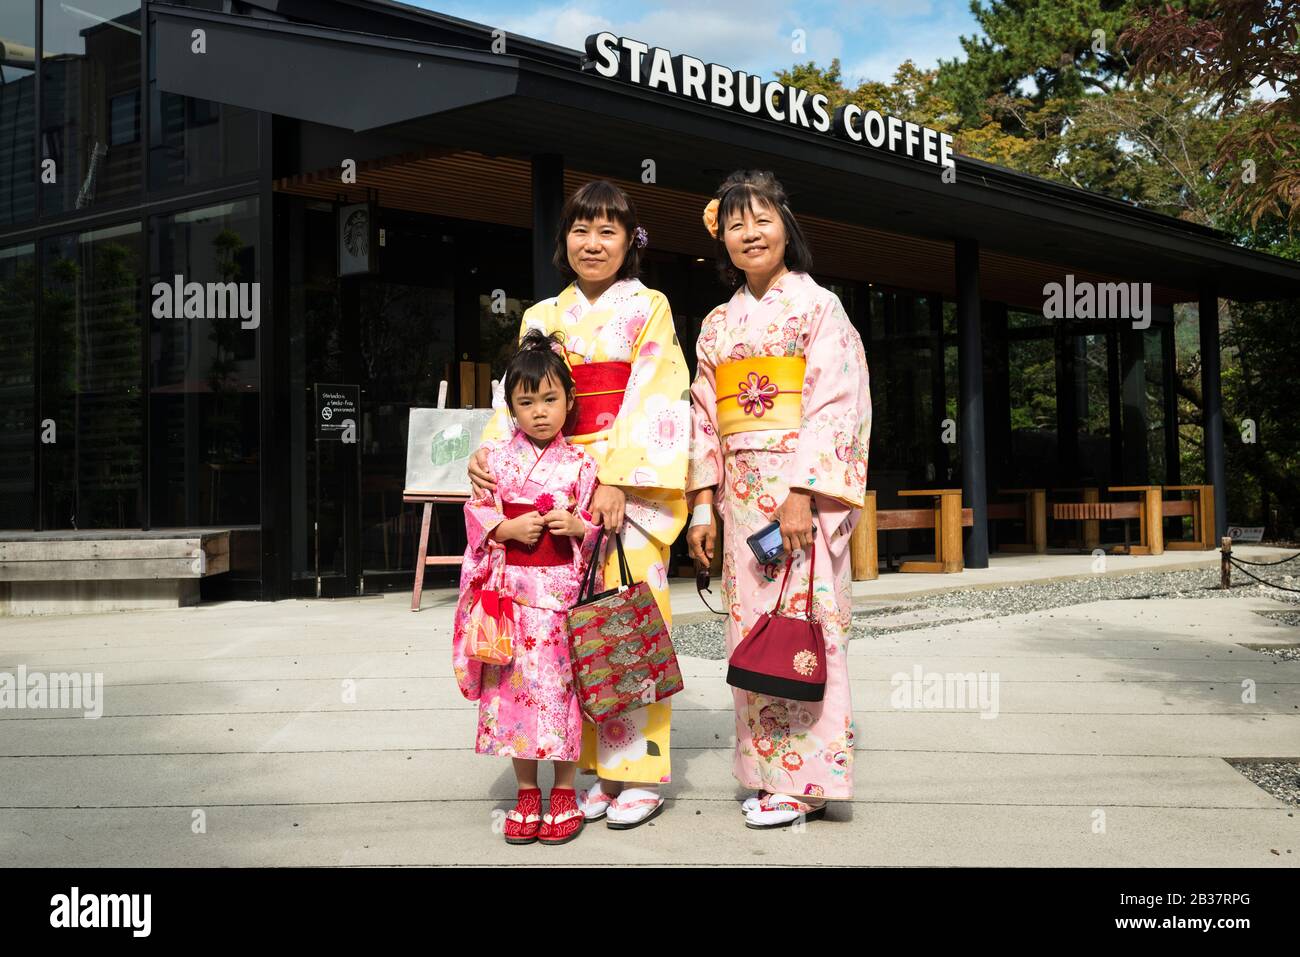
(648, 444)
(835, 426)
(483, 512)
(705, 470)
(586, 489)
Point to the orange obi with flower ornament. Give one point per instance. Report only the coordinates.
(762, 392)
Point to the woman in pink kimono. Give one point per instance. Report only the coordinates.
(531, 539)
(780, 427)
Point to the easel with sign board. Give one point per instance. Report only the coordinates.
(439, 443)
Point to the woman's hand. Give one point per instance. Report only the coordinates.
(560, 522)
(700, 540)
(608, 506)
(479, 476)
(795, 516)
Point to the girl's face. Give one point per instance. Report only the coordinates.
(597, 248)
(541, 413)
(755, 240)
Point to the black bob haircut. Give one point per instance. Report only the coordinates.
(754, 189)
(598, 198)
(536, 361)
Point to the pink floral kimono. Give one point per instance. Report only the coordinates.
(785, 746)
(528, 708)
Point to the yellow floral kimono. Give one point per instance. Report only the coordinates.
(645, 451)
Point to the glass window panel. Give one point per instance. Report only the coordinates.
(204, 374)
(17, 112)
(91, 57)
(90, 379)
(17, 392)
(196, 141)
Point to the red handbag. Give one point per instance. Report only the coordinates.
(782, 655)
(622, 656)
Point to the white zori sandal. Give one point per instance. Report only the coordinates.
(752, 803)
(632, 808)
(594, 802)
(782, 810)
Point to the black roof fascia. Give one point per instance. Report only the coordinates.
(318, 75)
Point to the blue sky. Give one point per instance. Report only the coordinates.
(871, 37)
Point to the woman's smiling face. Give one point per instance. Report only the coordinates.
(597, 248)
(755, 239)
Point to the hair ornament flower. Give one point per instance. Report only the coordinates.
(642, 237)
(711, 218)
(557, 348)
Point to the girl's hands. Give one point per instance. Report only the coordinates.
(795, 516)
(607, 506)
(479, 476)
(560, 522)
(526, 528)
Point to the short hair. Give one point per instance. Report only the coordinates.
(535, 361)
(598, 198)
(742, 190)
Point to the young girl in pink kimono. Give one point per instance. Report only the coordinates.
(536, 524)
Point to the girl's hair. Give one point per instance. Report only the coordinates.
(534, 362)
(599, 198)
(748, 188)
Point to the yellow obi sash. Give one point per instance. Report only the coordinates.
(763, 392)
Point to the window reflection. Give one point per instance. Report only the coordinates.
(90, 102)
(90, 379)
(17, 398)
(203, 372)
(17, 112)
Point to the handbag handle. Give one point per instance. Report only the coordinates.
(789, 563)
(624, 571)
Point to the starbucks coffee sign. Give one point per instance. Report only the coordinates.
(635, 62)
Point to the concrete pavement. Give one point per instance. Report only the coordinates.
(331, 733)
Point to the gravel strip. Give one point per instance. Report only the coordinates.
(1279, 778)
(706, 640)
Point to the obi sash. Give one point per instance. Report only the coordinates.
(762, 392)
(549, 550)
(600, 387)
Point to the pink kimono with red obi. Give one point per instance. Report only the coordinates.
(528, 708)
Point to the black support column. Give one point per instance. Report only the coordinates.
(970, 403)
(1212, 405)
(1137, 460)
(548, 200)
(1164, 317)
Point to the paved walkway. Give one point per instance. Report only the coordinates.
(1113, 719)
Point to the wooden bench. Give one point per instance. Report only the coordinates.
(1032, 511)
(1147, 510)
(946, 518)
(1201, 510)
(66, 571)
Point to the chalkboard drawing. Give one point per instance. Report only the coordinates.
(450, 444)
(439, 443)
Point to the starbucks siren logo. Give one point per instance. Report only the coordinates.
(356, 233)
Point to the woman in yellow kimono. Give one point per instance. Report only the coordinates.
(632, 416)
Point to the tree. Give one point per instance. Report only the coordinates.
(1229, 50)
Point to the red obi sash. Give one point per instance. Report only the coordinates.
(600, 387)
(549, 550)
